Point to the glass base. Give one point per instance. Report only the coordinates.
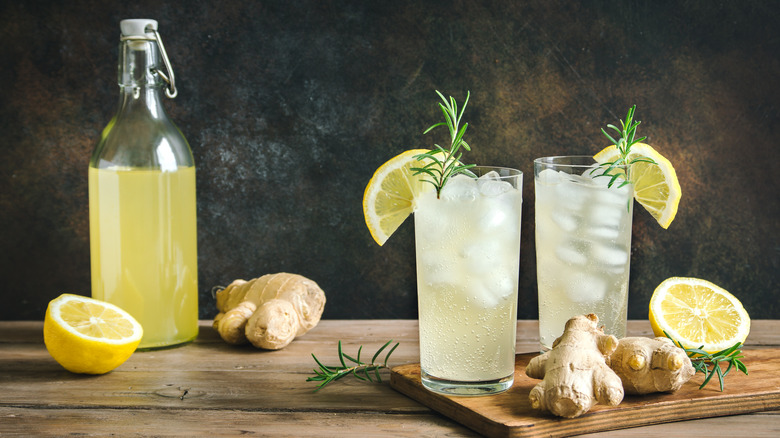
(451, 387)
(166, 345)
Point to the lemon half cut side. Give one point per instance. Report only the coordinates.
(89, 336)
(698, 313)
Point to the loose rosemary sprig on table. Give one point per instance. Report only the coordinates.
(626, 139)
(361, 370)
(702, 361)
(439, 170)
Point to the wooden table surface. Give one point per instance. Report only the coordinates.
(211, 388)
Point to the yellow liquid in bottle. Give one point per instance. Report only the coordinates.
(143, 243)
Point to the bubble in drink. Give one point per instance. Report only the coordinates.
(438, 267)
(492, 289)
(502, 283)
(573, 252)
(584, 287)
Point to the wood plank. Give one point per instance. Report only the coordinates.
(228, 422)
(222, 422)
(209, 387)
(763, 332)
(198, 390)
(757, 425)
(510, 413)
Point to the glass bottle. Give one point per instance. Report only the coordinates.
(142, 215)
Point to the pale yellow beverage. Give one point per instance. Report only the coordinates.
(583, 245)
(143, 244)
(468, 266)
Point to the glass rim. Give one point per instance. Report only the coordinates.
(560, 161)
(513, 172)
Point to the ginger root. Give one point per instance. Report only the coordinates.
(575, 372)
(648, 365)
(269, 311)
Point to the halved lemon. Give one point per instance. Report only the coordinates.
(698, 313)
(390, 194)
(655, 186)
(89, 336)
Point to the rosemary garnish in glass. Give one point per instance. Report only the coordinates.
(361, 370)
(702, 361)
(439, 170)
(626, 139)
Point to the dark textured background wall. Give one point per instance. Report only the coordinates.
(290, 106)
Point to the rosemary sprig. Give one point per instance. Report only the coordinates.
(702, 361)
(361, 370)
(439, 171)
(626, 138)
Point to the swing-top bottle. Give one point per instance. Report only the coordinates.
(142, 213)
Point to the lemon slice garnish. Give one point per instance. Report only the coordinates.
(655, 186)
(390, 194)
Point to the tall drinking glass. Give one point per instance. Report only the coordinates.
(583, 244)
(468, 264)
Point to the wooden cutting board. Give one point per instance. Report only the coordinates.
(510, 414)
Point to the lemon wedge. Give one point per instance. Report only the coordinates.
(655, 186)
(89, 336)
(698, 313)
(390, 194)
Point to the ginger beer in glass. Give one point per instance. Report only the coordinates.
(468, 258)
(583, 245)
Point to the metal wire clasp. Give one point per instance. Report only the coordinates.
(170, 79)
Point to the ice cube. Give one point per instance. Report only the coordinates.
(583, 287)
(430, 220)
(603, 232)
(614, 196)
(502, 283)
(606, 215)
(548, 177)
(570, 194)
(566, 220)
(479, 296)
(573, 252)
(435, 267)
(612, 256)
(494, 188)
(490, 176)
(479, 257)
(493, 216)
(460, 188)
(487, 292)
